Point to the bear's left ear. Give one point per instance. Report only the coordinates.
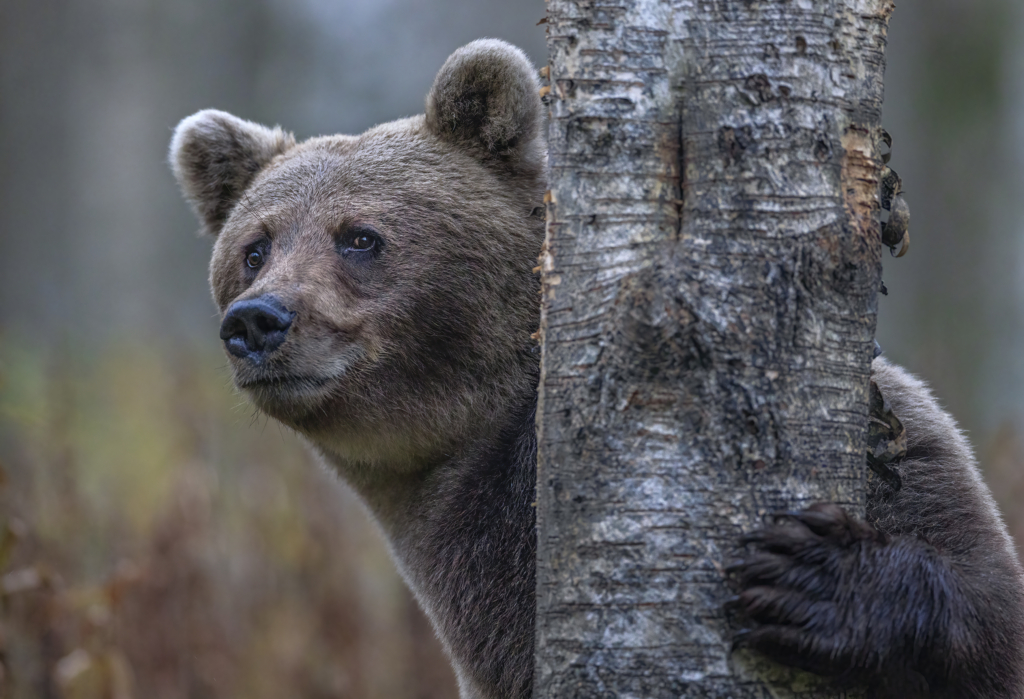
(215, 156)
(486, 97)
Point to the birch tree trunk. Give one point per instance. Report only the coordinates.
(709, 287)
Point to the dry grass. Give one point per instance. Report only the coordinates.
(157, 541)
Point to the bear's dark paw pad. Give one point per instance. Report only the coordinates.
(782, 590)
(790, 584)
(795, 648)
(796, 562)
(821, 524)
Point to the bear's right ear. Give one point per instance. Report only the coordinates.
(215, 156)
(486, 97)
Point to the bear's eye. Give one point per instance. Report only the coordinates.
(255, 257)
(361, 242)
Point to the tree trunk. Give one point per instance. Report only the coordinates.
(709, 288)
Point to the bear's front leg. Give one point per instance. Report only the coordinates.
(833, 595)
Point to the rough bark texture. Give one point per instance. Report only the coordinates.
(710, 276)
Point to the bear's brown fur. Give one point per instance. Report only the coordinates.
(378, 298)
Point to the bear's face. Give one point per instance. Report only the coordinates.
(376, 290)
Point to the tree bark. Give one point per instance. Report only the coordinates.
(710, 274)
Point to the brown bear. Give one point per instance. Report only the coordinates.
(377, 296)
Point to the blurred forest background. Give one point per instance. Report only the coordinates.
(156, 540)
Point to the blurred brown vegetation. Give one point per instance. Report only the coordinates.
(159, 541)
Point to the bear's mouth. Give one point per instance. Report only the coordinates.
(287, 397)
(283, 383)
(289, 391)
(291, 388)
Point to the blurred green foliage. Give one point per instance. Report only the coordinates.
(159, 540)
(964, 84)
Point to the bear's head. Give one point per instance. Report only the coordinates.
(377, 291)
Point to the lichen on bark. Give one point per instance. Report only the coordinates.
(709, 273)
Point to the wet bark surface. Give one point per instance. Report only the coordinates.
(709, 288)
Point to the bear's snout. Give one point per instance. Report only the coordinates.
(254, 328)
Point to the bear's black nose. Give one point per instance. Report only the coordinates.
(254, 328)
